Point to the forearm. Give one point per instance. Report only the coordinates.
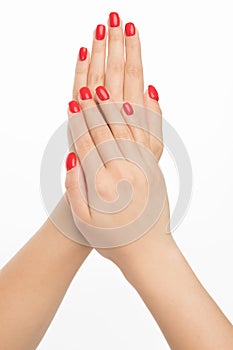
(186, 314)
(33, 284)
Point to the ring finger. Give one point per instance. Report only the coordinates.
(133, 83)
(97, 65)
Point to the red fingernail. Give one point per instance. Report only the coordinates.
(128, 109)
(102, 93)
(114, 19)
(100, 32)
(130, 29)
(85, 93)
(153, 93)
(83, 53)
(74, 107)
(71, 161)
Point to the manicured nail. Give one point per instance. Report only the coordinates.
(153, 93)
(130, 29)
(128, 109)
(85, 93)
(74, 107)
(102, 93)
(71, 161)
(83, 53)
(114, 19)
(100, 32)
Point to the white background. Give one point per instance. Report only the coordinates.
(187, 52)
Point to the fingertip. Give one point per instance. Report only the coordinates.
(128, 108)
(153, 93)
(151, 98)
(100, 32)
(102, 93)
(85, 93)
(82, 55)
(71, 161)
(74, 107)
(130, 29)
(114, 20)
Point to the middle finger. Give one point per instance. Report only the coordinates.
(115, 61)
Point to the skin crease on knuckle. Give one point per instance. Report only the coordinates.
(133, 70)
(95, 78)
(122, 133)
(106, 187)
(80, 70)
(102, 134)
(116, 67)
(85, 144)
(128, 173)
(117, 170)
(115, 37)
(71, 184)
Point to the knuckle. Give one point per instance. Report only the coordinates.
(98, 47)
(71, 183)
(122, 133)
(96, 78)
(102, 189)
(143, 141)
(80, 70)
(116, 67)
(85, 144)
(140, 137)
(101, 134)
(105, 188)
(133, 70)
(134, 44)
(116, 35)
(131, 178)
(158, 148)
(127, 174)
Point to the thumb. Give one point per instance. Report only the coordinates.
(75, 184)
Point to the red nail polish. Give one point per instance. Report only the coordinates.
(153, 93)
(128, 109)
(83, 53)
(130, 29)
(102, 93)
(71, 161)
(74, 107)
(114, 19)
(100, 32)
(85, 93)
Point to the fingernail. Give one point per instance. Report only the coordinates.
(83, 53)
(128, 109)
(102, 93)
(85, 93)
(74, 107)
(71, 161)
(130, 29)
(114, 19)
(153, 93)
(100, 32)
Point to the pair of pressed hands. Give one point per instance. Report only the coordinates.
(34, 282)
(116, 85)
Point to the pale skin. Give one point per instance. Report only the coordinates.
(34, 282)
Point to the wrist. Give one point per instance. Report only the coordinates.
(68, 250)
(151, 257)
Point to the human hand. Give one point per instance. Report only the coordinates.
(124, 80)
(108, 159)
